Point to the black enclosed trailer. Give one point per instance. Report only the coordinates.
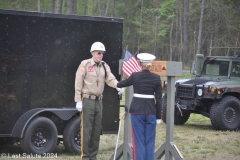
(39, 56)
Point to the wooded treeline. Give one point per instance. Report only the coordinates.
(171, 29)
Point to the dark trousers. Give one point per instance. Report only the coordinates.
(143, 136)
(91, 125)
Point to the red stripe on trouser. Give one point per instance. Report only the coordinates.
(134, 145)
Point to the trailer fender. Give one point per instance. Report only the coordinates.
(23, 121)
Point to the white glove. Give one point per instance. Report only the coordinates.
(120, 90)
(158, 121)
(79, 106)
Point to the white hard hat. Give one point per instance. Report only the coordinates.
(97, 46)
(145, 57)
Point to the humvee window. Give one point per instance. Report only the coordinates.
(216, 68)
(235, 71)
(212, 69)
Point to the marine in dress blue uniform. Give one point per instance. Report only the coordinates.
(145, 108)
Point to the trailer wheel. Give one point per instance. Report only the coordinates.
(71, 136)
(178, 118)
(225, 114)
(40, 136)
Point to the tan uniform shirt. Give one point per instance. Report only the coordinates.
(90, 79)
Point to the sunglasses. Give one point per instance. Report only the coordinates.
(99, 53)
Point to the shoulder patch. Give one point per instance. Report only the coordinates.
(81, 70)
(82, 66)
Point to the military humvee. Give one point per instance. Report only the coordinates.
(214, 92)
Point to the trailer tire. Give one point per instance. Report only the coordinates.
(40, 136)
(71, 136)
(225, 114)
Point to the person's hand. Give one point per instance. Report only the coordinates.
(158, 121)
(79, 106)
(120, 90)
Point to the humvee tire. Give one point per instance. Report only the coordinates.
(178, 118)
(225, 113)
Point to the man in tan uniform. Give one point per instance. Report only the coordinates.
(89, 85)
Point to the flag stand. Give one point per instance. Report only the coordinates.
(125, 149)
(169, 148)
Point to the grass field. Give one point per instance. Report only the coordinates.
(196, 140)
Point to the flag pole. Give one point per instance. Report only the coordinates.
(122, 75)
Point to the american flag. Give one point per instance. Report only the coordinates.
(130, 64)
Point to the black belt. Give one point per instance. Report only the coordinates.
(93, 97)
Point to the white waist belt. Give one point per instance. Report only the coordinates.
(143, 95)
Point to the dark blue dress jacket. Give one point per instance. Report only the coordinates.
(148, 83)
